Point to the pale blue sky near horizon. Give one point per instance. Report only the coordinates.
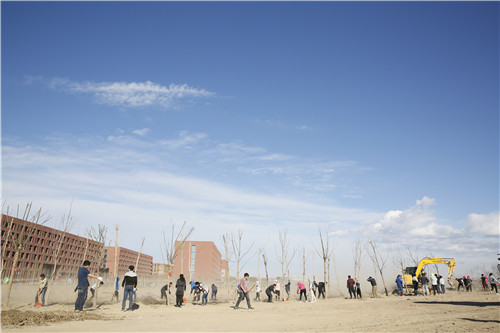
(364, 108)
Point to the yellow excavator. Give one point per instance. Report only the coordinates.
(417, 271)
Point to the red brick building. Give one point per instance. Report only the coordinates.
(38, 254)
(126, 258)
(200, 261)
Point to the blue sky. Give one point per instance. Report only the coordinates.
(372, 120)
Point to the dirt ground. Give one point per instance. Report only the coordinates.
(453, 312)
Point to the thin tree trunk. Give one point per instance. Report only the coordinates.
(6, 241)
(11, 277)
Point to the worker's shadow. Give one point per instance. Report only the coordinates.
(479, 304)
(482, 320)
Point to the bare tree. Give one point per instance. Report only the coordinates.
(325, 255)
(228, 256)
(378, 261)
(115, 269)
(336, 271)
(171, 250)
(7, 239)
(398, 260)
(265, 267)
(19, 240)
(413, 256)
(65, 226)
(303, 264)
(239, 252)
(139, 254)
(88, 234)
(99, 236)
(285, 259)
(357, 255)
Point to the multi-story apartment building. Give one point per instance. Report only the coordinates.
(125, 258)
(39, 252)
(201, 261)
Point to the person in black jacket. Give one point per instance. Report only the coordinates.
(180, 287)
(163, 290)
(321, 290)
(269, 292)
(214, 292)
(130, 285)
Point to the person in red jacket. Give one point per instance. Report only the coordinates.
(350, 286)
(302, 290)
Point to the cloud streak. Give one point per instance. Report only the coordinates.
(127, 94)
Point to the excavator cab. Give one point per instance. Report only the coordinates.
(411, 271)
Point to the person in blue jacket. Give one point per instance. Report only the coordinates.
(399, 282)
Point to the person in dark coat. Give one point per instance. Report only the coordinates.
(214, 292)
(180, 287)
(164, 289)
(321, 290)
(269, 292)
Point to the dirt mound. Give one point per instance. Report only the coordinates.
(150, 300)
(35, 318)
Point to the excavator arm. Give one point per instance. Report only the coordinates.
(426, 261)
(417, 271)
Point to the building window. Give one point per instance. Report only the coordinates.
(193, 260)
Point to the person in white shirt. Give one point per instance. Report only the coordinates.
(434, 282)
(94, 286)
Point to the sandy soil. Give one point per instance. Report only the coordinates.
(452, 312)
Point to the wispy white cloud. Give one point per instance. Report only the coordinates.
(351, 196)
(141, 132)
(185, 139)
(127, 94)
(280, 124)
